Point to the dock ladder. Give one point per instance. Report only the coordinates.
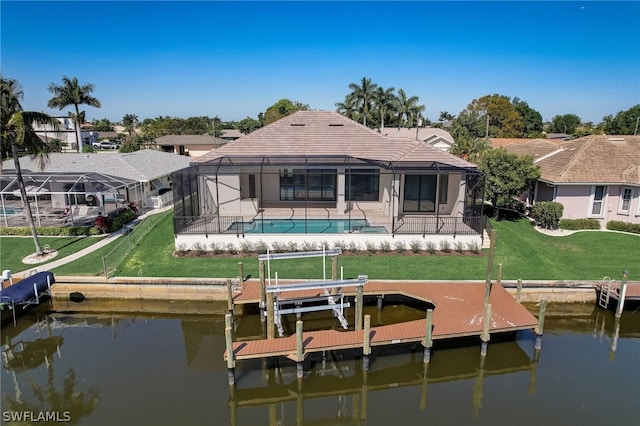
(605, 292)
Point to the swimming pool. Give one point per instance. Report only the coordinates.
(312, 226)
(10, 211)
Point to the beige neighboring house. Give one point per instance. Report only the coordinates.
(434, 136)
(595, 176)
(189, 145)
(317, 176)
(500, 142)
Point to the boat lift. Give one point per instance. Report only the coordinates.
(334, 302)
(26, 292)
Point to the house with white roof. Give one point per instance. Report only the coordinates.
(319, 177)
(87, 184)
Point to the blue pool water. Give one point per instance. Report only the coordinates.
(313, 226)
(9, 211)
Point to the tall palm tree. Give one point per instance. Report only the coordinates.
(407, 109)
(383, 100)
(349, 108)
(363, 95)
(72, 93)
(17, 130)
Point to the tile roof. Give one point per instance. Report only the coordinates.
(190, 140)
(144, 165)
(498, 142)
(591, 159)
(308, 133)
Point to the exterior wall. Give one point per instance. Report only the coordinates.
(577, 202)
(360, 241)
(544, 192)
(196, 150)
(225, 195)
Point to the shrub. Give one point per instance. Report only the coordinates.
(385, 246)
(415, 245)
(474, 246)
(616, 225)
(308, 246)
(103, 223)
(94, 231)
(353, 246)
(199, 248)
(231, 248)
(340, 244)
(215, 247)
(261, 247)
(445, 246)
(278, 247)
(400, 246)
(430, 247)
(547, 214)
(573, 224)
(292, 246)
(458, 246)
(370, 246)
(246, 247)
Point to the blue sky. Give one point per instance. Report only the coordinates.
(235, 59)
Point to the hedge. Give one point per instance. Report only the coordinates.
(576, 224)
(547, 214)
(616, 225)
(52, 231)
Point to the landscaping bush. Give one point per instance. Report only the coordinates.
(400, 246)
(474, 246)
(385, 246)
(575, 224)
(415, 245)
(547, 214)
(246, 247)
(431, 247)
(125, 216)
(445, 246)
(616, 225)
(459, 246)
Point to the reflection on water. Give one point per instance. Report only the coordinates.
(138, 369)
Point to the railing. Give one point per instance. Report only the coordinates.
(425, 225)
(156, 201)
(210, 224)
(430, 225)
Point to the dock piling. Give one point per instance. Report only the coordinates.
(623, 294)
(427, 337)
(485, 336)
(366, 347)
(492, 251)
(540, 328)
(300, 349)
(229, 296)
(231, 362)
(270, 317)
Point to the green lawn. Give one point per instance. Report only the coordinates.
(14, 249)
(523, 252)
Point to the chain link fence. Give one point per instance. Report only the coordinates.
(133, 234)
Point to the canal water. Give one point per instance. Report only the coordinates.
(105, 368)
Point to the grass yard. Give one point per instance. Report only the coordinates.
(523, 252)
(14, 249)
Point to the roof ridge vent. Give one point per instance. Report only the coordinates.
(336, 125)
(616, 139)
(297, 124)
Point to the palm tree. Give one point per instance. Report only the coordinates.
(363, 95)
(384, 100)
(349, 108)
(72, 93)
(129, 121)
(17, 130)
(407, 109)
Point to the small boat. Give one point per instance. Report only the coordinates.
(26, 292)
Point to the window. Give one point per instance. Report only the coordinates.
(420, 192)
(363, 185)
(625, 200)
(310, 185)
(597, 201)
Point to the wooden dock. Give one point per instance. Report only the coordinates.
(458, 311)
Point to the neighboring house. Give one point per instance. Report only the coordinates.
(102, 182)
(500, 142)
(439, 138)
(317, 176)
(231, 134)
(65, 133)
(189, 145)
(595, 176)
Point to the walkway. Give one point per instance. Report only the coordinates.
(75, 256)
